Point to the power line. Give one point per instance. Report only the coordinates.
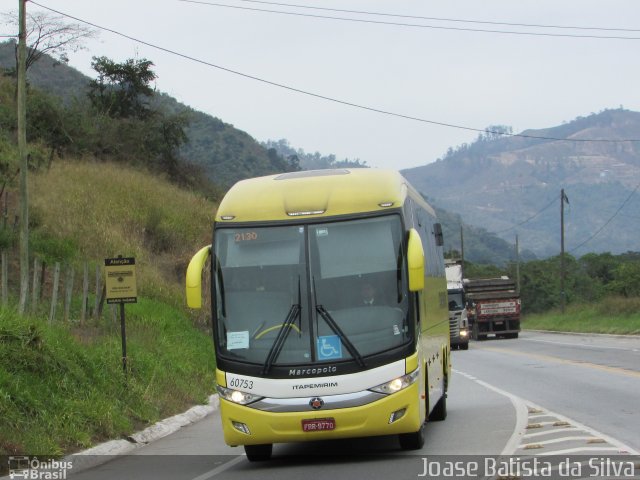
(412, 25)
(441, 19)
(608, 221)
(528, 219)
(332, 99)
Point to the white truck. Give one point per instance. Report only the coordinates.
(458, 315)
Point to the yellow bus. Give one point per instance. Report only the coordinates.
(330, 315)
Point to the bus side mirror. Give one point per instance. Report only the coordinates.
(415, 261)
(194, 277)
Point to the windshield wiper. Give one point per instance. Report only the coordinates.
(283, 333)
(399, 274)
(218, 270)
(343, 338)
(324, 313)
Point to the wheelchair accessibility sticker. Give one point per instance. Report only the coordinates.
(329, 347)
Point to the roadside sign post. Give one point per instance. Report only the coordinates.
(120, 284)
(123, 334)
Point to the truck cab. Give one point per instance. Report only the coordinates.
(458, 315)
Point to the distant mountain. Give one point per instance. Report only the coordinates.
(512, 185)
(310, 161)
(226, 153)
(480, 246)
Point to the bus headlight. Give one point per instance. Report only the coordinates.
(236, 396)
(397, 384)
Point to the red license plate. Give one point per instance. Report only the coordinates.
(318, 424)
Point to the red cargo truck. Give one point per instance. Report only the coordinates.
(495, 307)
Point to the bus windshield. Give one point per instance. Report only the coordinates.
(306, 294)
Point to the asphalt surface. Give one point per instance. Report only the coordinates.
(594, 380)
(538, 395)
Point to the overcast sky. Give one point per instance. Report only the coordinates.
(466, 78)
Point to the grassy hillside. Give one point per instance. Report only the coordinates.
(614, 315)
(62, 387)
(61, 384)
(109, 209)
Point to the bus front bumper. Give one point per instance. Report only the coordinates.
(243, 425)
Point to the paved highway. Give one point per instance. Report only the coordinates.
(541, 394)
(594, 380)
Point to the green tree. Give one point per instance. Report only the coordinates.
(626, 280)
(122, 89)
(600, 266)
(494, 132)
(46, 118)
(165, 144)
(540, 285)
(131, 124)
(480, 270)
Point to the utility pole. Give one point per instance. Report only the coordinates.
(563, 198)
(22, 150)
(517, 265)
(462, 246)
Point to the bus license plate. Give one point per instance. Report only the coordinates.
(318, 424)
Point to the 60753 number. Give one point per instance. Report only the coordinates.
(241, 383)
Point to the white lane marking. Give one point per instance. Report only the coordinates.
(549, 432)
(522, 411)
(221, 468)
(540, 415)
(559, 440)
(616, 443)
(578, 450)
(581, 345)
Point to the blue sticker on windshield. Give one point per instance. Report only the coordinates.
(329, 347)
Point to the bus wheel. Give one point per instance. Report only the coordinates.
(464, 346)
(258, 453)
(413, 440)
(439, 412)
